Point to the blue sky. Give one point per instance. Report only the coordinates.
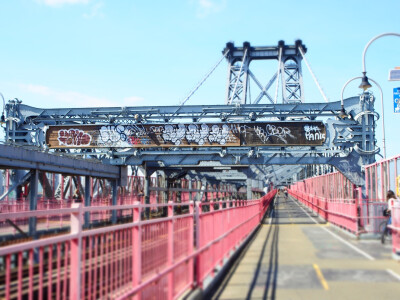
(80, 53)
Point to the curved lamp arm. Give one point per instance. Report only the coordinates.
(350, 80)
(370, 42)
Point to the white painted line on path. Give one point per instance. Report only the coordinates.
(394, 274)
(338, 237)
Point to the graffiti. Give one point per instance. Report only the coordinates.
(313, 133)
(219, 135)
(196, 134)
(187, 135)
(109, 135)
(129, 135)
(121, 136)
(73, 137)
(266, 133)
(174, 135)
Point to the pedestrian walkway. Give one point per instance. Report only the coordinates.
(296, 255)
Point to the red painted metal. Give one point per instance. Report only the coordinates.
(142, 258)
(396, 229)
(381, 176)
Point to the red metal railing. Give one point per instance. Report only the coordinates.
(395, 226)
(381, 177)
(342, 212)
(151, 259)
(333, 197)
(340, 202)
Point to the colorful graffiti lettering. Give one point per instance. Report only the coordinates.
(73, 137)
(121, 136)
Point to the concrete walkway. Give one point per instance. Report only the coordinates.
(296, 255)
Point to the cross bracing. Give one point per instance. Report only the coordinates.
(240, 76)
(347, 140)
(349, 137)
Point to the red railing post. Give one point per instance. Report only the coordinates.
(137, 249)
(191, 241)
(170, 251)
(199, 281)
(76, 253)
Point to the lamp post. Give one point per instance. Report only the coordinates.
(4, 107)
(366, 85)
(343, 114)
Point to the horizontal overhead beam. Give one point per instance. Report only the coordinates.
(150, 114)
(23, 158)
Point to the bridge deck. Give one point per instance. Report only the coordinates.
(295, 255)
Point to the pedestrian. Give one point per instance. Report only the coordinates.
(77, 196)
(391, 199)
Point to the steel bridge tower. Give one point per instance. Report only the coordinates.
(289, 71)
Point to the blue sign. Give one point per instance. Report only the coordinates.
(396, 100)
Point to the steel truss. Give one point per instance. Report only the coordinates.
(350, 141)
(240, 75)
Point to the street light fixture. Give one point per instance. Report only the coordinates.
(366, 85)
(343, 113)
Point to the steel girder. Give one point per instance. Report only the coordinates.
(30, 158)
(350, 142)
(239, 74)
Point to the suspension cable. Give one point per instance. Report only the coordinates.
(312, 74)
(204, 79)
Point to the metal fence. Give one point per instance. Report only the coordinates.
(340, 202)
(157, 258)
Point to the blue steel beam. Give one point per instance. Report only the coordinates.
(23, 158)
(350, 142)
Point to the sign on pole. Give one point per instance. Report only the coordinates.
(396, 100)
(394, 75)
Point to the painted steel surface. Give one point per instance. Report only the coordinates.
(187, 135)
(146, 258)
(396, 228)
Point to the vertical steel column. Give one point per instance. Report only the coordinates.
(62, 187)
(87, 199)
(190, 190)
(249, 191)
(166, 186)
(7, 183)
(147, 189)
(33, 200)
(114, 201)
(237, 75)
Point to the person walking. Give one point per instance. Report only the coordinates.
(391, 199)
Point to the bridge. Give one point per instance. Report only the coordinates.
(254, 198)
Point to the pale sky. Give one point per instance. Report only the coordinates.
(80, 53)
